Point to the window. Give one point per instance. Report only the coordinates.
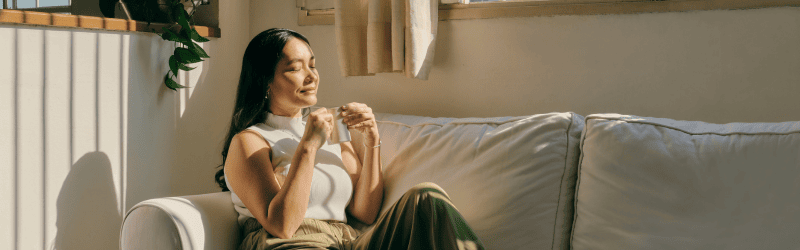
(50, 6)
(481, 9)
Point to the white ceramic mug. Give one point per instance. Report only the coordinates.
(340, 133)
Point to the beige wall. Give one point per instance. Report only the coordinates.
(714, 66)
(87, 128)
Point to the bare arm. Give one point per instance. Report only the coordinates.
(367, 177)
(279, 209)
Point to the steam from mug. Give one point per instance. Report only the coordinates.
(340, 133)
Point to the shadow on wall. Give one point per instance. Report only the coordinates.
(87, 215)
(87, 7)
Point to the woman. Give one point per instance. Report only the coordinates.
(293, 190)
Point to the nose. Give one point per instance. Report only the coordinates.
(312, 76)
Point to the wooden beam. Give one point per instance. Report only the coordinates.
(90, 22)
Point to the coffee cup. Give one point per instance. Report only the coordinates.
(340, 133)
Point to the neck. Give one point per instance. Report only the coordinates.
(296, 112)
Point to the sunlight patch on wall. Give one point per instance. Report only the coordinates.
(190, 80)
(109, 91)
(57, 86)
(7, 150)
(29, 124)
(84, 98)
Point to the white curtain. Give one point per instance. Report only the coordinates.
(375, 36)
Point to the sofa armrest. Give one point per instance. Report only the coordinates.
(206, 221)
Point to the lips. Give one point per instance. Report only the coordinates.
(308, 91)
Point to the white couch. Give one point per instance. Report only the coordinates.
(560, 181)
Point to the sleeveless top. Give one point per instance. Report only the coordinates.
(331, 187)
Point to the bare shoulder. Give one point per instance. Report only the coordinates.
(248, 146)
(249, 139)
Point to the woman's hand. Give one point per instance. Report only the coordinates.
(365, 174)
(358, 116)
(318, 128)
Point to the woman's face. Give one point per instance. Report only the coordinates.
(296, 80)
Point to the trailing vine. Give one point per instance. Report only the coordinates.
(187, 50)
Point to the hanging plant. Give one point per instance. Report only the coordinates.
(179, 30)
(186, 48)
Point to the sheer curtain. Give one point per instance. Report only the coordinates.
(376, 36)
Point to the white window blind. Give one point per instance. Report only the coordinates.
(52, 6)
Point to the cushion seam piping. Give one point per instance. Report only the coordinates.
(455, 123)
(578, 183)
(693, 133)
(561, 187)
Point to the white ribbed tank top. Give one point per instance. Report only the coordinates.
(331, 188)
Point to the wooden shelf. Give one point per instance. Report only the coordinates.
(90, 22)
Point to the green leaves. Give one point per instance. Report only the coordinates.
(171, 36)
(182, 18)
(186, 51)
(171, 83)
(175, 65)
(185, 56)
(197, 37)
(197, 50)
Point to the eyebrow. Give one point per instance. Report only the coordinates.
(298, 59)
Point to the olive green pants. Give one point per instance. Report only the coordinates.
(423, 218)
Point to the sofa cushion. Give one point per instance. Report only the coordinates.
(650, 183)
(205, 221)
(512, 178)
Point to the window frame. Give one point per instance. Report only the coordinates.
(49, 9)
(484, 10)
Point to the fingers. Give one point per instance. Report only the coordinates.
(320, 114)
(362, 125)
(353, 119)
(350, 106)
(318, 128)
(320, 121)
(359, 116)
(356, 113)
(355, 107)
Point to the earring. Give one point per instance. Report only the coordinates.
(267, 97)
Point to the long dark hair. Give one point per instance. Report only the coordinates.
(258, 70)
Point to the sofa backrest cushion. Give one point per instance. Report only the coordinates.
(512, 178)
(650, 183)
